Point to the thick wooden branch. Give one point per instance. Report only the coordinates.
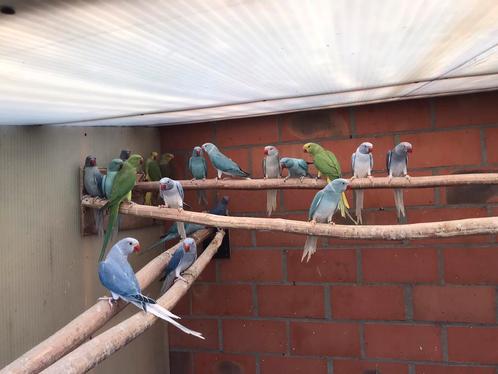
(309, 183)
(83, 326)
(102, 346)
(443, 229)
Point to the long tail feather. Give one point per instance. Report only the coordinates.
(271, 201)
(202, 197)
(113, 217)
(164, 314)
(98, 215)
(168, 282)
(181, 230)
(148, 198)
(309, 247)
(400, 205)
(359, 194)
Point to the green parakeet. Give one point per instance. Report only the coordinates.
(165, 165)
(121, 189)
(327, 165)
(152, 173)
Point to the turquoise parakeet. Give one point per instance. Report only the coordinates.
(323, 207)
(112, 170)
(121, 190)
(327, 165)
(222, 163)
(152, 173)
(198, 168)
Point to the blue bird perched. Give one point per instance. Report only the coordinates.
(361, 165)
(397, 166)
(92, 178)
(222, 163)
(198, 168)
(298, 168)
(171, 192)
(116, 274)
(323, 207)
(181, 260)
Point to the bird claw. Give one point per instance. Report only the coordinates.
(313, 222)
(109, 299)
(408, 178)
(353, 177)
(370, 178)
(332, 223)
(182, 279)
(389, 179)
(301, 179)
(162, 206)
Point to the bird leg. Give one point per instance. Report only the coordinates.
(300, 178)
(369, 176)
(313, 222)
(353, 177)
(408, 178)
(287, 177)
(163, 206)
(110, 300)
(181, 278)
(389, 178)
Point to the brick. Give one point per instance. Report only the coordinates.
(383, 198)
(325, 266)
(407, 342)
(445, 369)
(220, 363)
(292, 365)
(444, 214)
(209, 273)
(454, 304)
(240, 238)
(192, 199)
(461, 110)
(471, 265)
(381, 217)
(221, 299)
(432, 149)
(291, 301)
(282, 239)
(256, 266)
(185, 137)
(492, 144)
(208, 328)
(299, 199)
(254, 336)
(241, 156)
(473, 344)
(315, 124)
(394, 116)
(183, 306)
(246, 201)
(368, 302)
(179, 166)
(400, 265)
(471, 239)
(257, 130)
(368, 367)
(325, 339)
(180, 362)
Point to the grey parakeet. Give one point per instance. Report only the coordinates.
(171, 192)
(361, 165)
(271, 169)
(198, 168)
(181, 260)
(397, 166)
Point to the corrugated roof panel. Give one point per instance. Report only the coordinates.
(65, 61)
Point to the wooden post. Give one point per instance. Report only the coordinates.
(83, 326)
(88, 355)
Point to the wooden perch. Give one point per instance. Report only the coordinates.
(462, 227)
(83, 326)
(102, 346)
(309, 183)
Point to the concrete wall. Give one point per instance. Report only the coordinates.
(48, 272)
(358, 307)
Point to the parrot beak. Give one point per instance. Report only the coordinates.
(93, 162)
(348, 187)
(136, 248)
(162, 187)
(370, 149)
(198, 152)
(266, 151)
(186, 246)
(410, 150)
(282, 166)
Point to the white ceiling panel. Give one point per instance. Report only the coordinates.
(155, 62)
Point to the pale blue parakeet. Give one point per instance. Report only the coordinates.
(323, 207)
(222, 163)
(116, 274)
(298, 168)
(361, 165)
(181, 260)
(108, 179)
(397, 166)
(198, 168)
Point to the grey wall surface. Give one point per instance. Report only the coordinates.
(48, 272)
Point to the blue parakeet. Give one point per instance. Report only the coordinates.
(397, 166)
(198, 168)
(92, 178)
(222, 163)
(298, 168)
(116, 274)
(323, 207)
(361, 165)
(171, 192)
(182, 259)
(108, 179)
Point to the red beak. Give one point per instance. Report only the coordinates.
(186, 246)
(93, 163)
(162, 187)
(370, 149)
(266, 152)
(198, 153)
(136, 248)
(348, 187)
(410, 150)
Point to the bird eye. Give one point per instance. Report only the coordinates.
(130, 243)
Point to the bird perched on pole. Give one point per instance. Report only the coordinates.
(108, 179)
(222, 163)
(324, 205)
(125, 154)
(198, 168)
(361, 165)
(181, 260)
(121, 190)
(271, 169)
(298, 168)
(171, 192)
(116, 274)
(397, 166)
(152, 174)
(326, 163)
(92, 180)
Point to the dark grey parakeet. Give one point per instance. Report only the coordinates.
(397, 166)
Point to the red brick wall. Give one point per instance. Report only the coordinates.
(418, 307)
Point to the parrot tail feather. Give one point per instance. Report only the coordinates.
(271, 201)
(148, 198)
(201, 197)
(181, 230)
(359, 205)
(163, 313)
(113, 217)
(309, 247)
(99, 221)
(167, 282)
(398, 201)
